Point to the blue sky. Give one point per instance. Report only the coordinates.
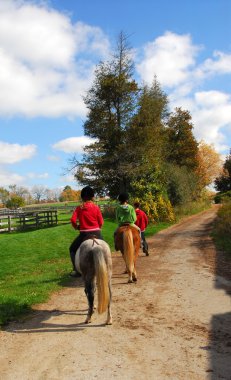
(48, 52)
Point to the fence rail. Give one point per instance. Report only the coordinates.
(24, 221)
(6, 220)
(41, 216)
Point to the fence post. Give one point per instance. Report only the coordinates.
(37, 219)
(9, 223)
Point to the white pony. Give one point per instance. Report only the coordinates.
(93, 260)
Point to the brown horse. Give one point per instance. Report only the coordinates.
(128, 242)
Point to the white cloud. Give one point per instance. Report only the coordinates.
(36, 35)
(221, 64)
(8, 178)
(73, 144)
(12, 153)
(67, 179)
(171, 57)
(44, 58)
(32, 175)
(211, 115)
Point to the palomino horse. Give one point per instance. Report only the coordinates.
(93, 260)
(128, 242)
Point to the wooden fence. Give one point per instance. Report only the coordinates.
(36, 217)
(24, 221)
(6, 223)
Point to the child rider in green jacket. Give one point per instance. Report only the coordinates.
(125, 213)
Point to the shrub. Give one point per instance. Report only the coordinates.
(108, 210)
(157, 208)
(223, 221)
(222, 197)
(15, 202)
(222, 228)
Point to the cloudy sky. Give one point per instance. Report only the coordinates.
(48, 53)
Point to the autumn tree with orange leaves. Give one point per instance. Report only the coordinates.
(68, 194)
(209, 164)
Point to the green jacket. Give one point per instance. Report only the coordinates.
(125, 214)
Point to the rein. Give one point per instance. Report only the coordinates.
(94, 241)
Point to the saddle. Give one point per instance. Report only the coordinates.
(92, 237)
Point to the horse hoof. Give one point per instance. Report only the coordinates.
(134, 279)
(109, 322)
(130, 281)
(88, 320)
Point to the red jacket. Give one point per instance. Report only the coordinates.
(142, 219)
(89, 217)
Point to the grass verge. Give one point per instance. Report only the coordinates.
(222, 229)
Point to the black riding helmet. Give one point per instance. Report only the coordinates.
(123, 197)
(87, 193)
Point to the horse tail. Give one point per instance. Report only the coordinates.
(101, 279)
(128, 249)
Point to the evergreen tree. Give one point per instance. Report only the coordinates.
(182, 145)
(146, 135)
(111, 102)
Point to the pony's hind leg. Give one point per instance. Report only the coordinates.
(89, 290)
(109, 315)
(134, 276)
(130, 276)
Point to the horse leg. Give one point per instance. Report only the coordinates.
(130, 279)
(109, 315)
(134, 276)
(89, 290)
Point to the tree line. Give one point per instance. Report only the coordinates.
(138, 145)
(19, 196)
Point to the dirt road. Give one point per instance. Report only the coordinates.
(173, 324)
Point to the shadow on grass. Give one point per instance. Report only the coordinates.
(13, 310)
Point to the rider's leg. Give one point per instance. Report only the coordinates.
(144, 244)
(73, 249)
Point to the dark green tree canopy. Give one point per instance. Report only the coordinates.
(182, 145)
(223, 182)
(135, 136)
(111, 102)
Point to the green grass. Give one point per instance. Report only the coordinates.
(222, 229)
(36, 263)
(33, 264)
(191, 208)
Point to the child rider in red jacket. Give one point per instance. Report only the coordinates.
(86, 218)
(142, 222)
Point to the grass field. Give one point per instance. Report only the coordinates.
(36, 263)
(222, 229)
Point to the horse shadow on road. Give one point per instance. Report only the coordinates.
(51, 319)
(220, 339)
(219, 348)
